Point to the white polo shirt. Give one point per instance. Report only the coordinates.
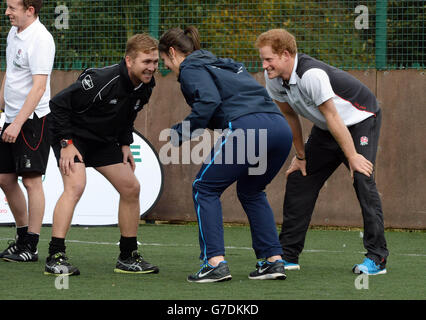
(29, 52)
(313, 82)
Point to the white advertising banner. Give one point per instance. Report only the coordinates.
(99, 203)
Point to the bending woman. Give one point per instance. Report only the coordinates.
(254, 146)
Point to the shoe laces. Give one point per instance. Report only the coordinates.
(137, 256)
(260, 263)
(203, 265)
(60, 258)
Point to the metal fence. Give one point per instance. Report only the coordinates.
(381, 34)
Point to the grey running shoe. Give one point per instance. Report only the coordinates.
(58, 265)
(208, 273)
(266, 270)
(135, 264)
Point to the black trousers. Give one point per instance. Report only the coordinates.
(323, 156)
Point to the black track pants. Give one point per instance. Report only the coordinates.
(323, 156)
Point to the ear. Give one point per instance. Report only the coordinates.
(31, 11)
(285, 55)
(129, 61)
(172, 53)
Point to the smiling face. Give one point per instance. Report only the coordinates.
(172, 60)
(19, 16)
(276, 65)
(142, 67)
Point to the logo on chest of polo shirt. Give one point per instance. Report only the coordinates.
(17, 61)
(308, 102)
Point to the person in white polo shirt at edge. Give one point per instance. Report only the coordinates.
(24, 145)
(347, 120)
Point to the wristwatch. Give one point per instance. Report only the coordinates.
(65, 142)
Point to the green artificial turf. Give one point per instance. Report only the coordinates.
(325, 267)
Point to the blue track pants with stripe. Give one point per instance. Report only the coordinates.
(266, 137)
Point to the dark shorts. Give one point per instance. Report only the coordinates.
(94, 154)
(30, 152)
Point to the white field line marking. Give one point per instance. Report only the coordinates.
(226, 247)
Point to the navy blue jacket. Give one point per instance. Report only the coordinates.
(219, 91)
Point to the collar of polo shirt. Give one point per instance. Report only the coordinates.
(293, 78)
(28, 30)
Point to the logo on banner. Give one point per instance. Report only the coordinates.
(136, 152)
(363, 141)
(6, 204)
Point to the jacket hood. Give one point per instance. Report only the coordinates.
(198, 57)
(201, 58)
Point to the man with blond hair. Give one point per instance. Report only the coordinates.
(347, 119)
(92, 126)
(24, 146)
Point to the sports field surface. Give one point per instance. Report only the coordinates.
(325, 267)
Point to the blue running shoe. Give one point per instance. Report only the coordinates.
(369, 267)
(291, 265)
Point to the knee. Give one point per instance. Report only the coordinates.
(130, 190)
(197, 186)
(245, 195)
(362, 181)
(207, 188)
(242, 196)
(32, 182)
(6, 181)
(296, 177)
(75, 190)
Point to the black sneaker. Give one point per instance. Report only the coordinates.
(208, 273)
(23, 254)
(11, 249)
(57, 265)
(135, 264)
(266, 270)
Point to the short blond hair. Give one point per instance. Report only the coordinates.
(140, 42)
(279, 40)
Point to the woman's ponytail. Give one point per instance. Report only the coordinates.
(186, 41)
